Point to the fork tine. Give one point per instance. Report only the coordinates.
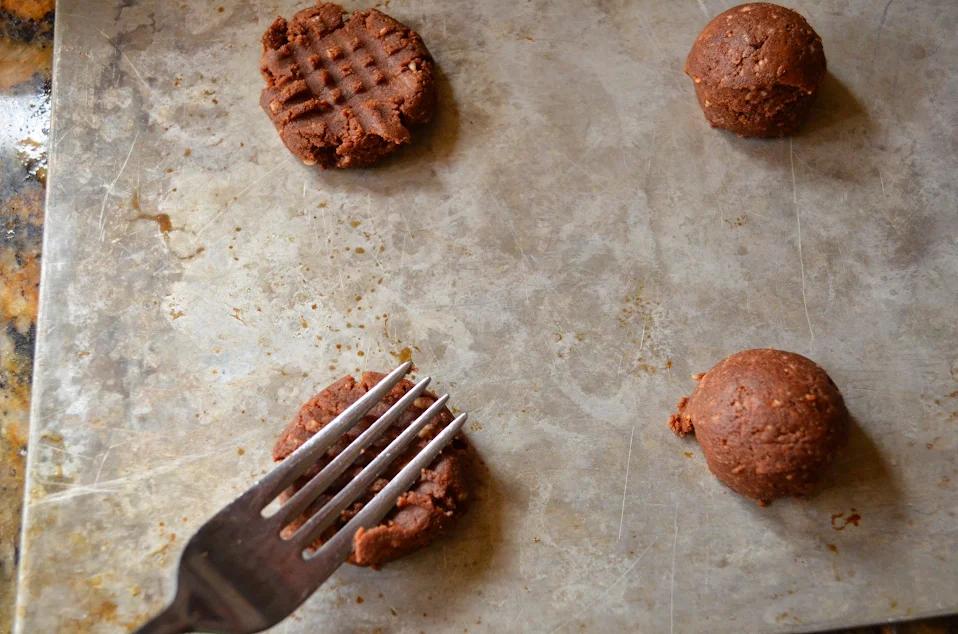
(321, 481)
(325, 517)
(337, 549)
(265, 490)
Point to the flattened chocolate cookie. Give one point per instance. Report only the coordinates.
(422, 514)
(344, 95)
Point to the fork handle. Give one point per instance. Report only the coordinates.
(169, 621)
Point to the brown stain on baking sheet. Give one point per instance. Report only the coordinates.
(162, 220)
(405, 355)
(784, 616)
(637, 316)
(99, 608)
(165, 224)
(104, 611)
(853, 518)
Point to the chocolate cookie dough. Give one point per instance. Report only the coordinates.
(426, 511)
(757, 68)
(769, 422)
(343, 95)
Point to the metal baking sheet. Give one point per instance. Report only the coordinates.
(561, 248)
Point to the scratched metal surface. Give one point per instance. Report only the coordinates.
(564, 246)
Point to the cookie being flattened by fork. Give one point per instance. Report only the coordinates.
(422, 514)
(344, 95)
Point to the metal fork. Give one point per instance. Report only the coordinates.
(238, 575)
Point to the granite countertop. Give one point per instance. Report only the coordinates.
(26, 46)
(26, 35)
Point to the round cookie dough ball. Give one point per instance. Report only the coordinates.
(757, 68)
(769, 422)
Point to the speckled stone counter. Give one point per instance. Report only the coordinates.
(26, 34)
